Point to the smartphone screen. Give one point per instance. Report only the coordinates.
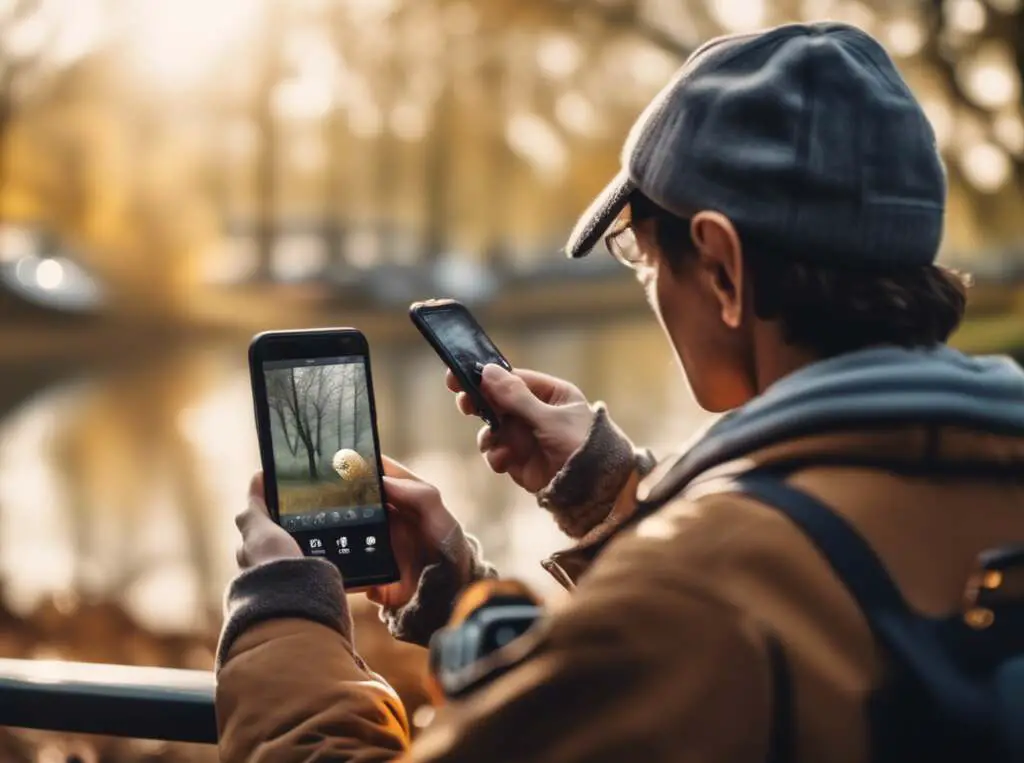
(325, 474)
(454, 327)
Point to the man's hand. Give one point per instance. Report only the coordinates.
(263, 540)
(420, 524)
(544, 420)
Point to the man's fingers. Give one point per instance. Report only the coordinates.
(240, 557)
(257, 487)
(257, 503)
(465, 404)
(451, 382)
(393, 468)
(487, 438)
(499, 459)
(409, 494)
(549, 389)
(510, 394)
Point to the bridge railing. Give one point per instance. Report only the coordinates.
(111, 700)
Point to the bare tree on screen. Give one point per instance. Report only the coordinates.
(279, 402)
(359, 404)
(299, 411)
(324, 387)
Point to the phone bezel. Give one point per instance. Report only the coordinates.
(297, 345)
(416, 313)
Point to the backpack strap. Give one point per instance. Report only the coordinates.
(851, 557)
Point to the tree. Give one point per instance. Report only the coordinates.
(323, 388)
(301, 418)
(301, 399)
(23, 39)
(358, 386)
(278, 402)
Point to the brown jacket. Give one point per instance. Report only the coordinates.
(662, 652)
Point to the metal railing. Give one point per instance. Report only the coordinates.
(112, 700)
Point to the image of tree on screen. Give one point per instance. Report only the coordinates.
(322, 436)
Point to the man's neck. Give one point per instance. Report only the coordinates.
(775, 358)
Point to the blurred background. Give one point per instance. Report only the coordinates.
(176, 175)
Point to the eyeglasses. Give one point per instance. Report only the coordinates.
(622, 244)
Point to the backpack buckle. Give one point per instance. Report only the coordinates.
(987, 586)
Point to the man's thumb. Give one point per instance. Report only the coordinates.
(407, 495)
(510, 395)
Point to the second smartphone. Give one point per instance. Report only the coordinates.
(316, 420)
(462, 344)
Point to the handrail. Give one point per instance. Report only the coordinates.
(112, 700)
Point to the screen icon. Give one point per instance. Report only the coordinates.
(371, 540)
(315, 543)
(367, 513)
(343, 542)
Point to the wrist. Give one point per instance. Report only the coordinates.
(583, 492)
(439, 585)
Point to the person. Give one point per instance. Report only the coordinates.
(782, 204)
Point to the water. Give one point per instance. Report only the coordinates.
(119, 481)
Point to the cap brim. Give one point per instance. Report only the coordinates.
(599, 216)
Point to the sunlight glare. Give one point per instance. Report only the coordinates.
(178, 41)
(29, 35)
(15, 243)
(576, 113)
(166, 598)
(904, 37)
(986, 166)
(739, 15)
(1009, 129)
(536, 141)
(966, 16)
(303, 98)
(81, 30)
(36, 556)
(409, 121)
(49, 274)
(559, 55)
(990, 77)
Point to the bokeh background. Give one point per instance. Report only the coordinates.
(176, 175)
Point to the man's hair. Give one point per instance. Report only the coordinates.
(828, 310)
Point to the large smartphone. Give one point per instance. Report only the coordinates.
(317, 426)
(462, 344)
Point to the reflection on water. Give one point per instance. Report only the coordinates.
(118, 489)
(124, 485)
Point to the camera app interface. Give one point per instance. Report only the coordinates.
(465, 340)
(328, 487)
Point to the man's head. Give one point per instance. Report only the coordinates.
(782, 201)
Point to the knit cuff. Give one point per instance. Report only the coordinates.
(306, 588)
(586, 488)
(438, 589)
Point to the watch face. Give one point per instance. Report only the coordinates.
(486, 630)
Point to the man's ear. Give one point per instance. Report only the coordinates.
(721, 262)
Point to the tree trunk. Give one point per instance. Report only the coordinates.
(303, 431)
(341, 409)
(357, 391)
(293, 444)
